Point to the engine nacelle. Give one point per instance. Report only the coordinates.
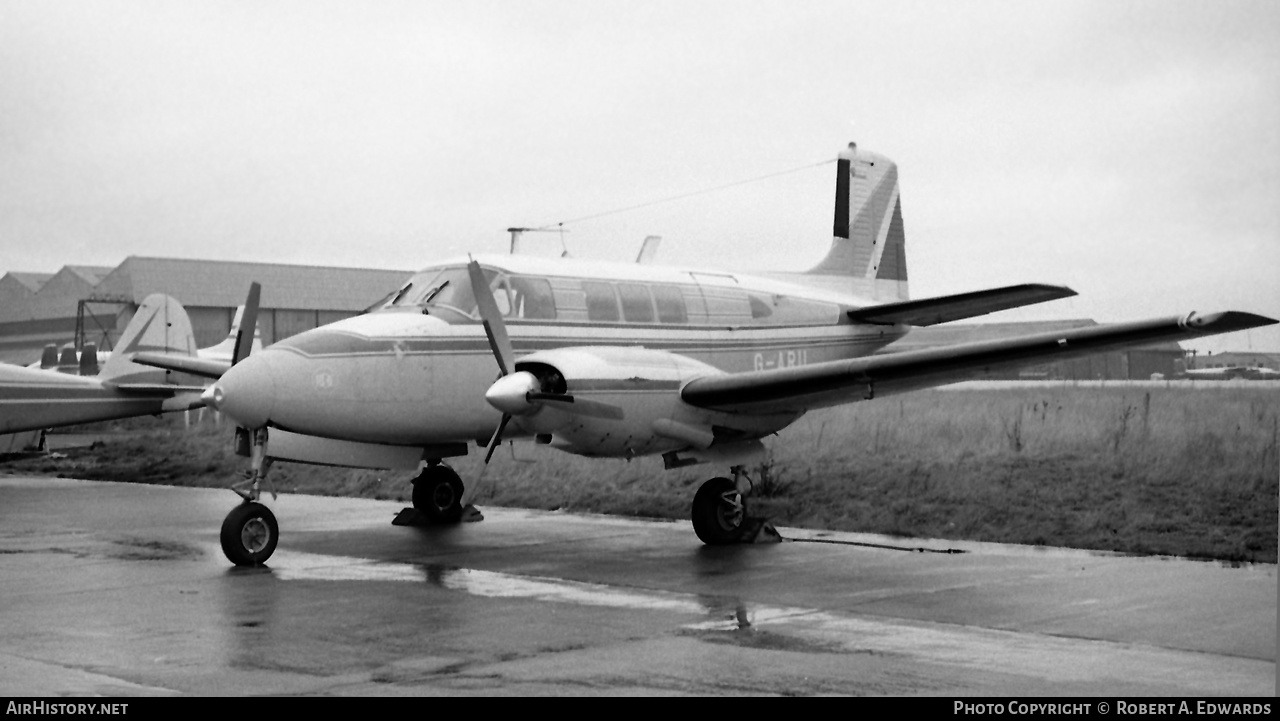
(645, 384)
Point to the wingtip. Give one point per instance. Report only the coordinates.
(1227, 321)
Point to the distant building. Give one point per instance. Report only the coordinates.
(37, 309)
(1235, 359)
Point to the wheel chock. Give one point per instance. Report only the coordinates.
(759, 530)
(413, 517)
(410, 517)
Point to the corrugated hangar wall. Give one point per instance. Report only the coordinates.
(210, 325)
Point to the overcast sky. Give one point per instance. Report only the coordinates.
(1130, 150)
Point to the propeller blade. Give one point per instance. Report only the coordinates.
(494, 327)
(580, 406)
(248, 325)
(497, 437)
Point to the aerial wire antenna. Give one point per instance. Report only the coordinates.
(559, 226)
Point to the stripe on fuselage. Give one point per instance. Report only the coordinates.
(732, 351)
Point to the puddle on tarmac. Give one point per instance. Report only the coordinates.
(490, 584)
(724, 613)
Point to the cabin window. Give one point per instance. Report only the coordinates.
(726, 306)
(760, 307)
(533, 298)
(602, 304)
(786, 310)
(670, 302)
(501, 294)
(637, 306)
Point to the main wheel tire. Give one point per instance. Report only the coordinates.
(250, 534)
(719, 512)
(438, 494)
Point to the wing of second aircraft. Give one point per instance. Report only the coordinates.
(836, 382)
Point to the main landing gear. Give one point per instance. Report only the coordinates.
(439, 499)
(437, 494)
(720, 513)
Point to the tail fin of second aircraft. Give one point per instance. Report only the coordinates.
(868, 247)
(161, 325)
(226, 349)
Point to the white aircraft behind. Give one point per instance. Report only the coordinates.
(35, 399)
(89, 361)
(620, 360)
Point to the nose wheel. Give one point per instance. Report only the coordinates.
(249, 534)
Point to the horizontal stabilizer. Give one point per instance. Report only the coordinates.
(203, 367)
(822, 385)
(943, 309)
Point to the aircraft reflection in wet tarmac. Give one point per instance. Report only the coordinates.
(731, 619)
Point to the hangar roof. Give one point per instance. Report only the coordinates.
(204, 283)
(91, 274)
(30, 281)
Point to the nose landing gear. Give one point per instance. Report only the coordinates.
(250, 531)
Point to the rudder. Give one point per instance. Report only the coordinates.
(868, 247)
(161, 325)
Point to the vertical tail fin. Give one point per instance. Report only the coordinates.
(226, 350)
(161, 325)
(868, 248)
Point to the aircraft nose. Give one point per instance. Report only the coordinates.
(246, 393)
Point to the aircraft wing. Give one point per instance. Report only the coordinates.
(931, 311)
(203, 367)
(154, 389)
(832, 383)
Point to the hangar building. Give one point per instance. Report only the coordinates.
(1238, 359)
(93, 304)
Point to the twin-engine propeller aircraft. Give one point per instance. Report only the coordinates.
(621, 360)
